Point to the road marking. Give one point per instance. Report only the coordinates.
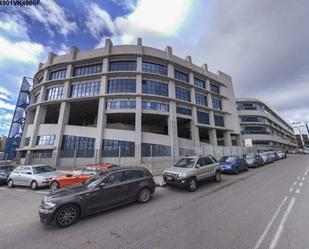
(300, 184)
(297, 191)
(258, 244)
(21, 190)
(304, 178)
(281, 225)
(294, 183)
(42, 192)
(291, 189)
(306, 172)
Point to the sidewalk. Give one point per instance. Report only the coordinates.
(159, 181)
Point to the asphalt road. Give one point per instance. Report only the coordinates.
(263, 208)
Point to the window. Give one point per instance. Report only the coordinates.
(154, 68)
(54, 93)
(254, 130)
(45, 140)
(254, 119)
(77, 146)
(183, 111)
(181, 76)
(158, 150)
(183, 94)
(203, 117)
(120, 105)
(85, 89)
(114, 178)
(216, 103)
(207, 161)
(154, 87)
(155, 106)
(27, 141)
(214, 89)
(249, 106)
(201, 99)
(132, 175)
(112, 148)
(121, 86)
(199, 83)
(27, 170)
(219, 120)
(85, 70)
(59, 74)
(122, 66)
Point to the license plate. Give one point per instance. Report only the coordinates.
(169, 178)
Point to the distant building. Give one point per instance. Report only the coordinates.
(264, 126)
(301, 132)
(2, 143)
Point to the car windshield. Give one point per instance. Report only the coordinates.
(229, 159)
(185, 163)
(249, 156)
(42, 169)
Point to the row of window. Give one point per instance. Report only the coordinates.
(45, 140)
(122, 104)
(155, 106)
(155, 87)
(203, 118)
(85, 89)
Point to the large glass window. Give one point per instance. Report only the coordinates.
(77, 146)
(183, 111)
(214, 88)
(45, 140)
(26, 141)
(85, 70)
(249, 106)
(85, 89)
(199, 83)
(120, 104)
(201, 99)
(254, 130)
(154, 87)
(183, 94)
(219, 120)
(122, 66)
(59, 74)
(155, 150)
(203, 117)
(255, 119)
(121, 86)
(54, 93)
(155, 106)
(216, 103)
(154, 68)
(114, 148)
(181, 76)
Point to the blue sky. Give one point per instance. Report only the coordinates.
(260, 43)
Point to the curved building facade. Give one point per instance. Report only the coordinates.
(264, 126)
(128, 101)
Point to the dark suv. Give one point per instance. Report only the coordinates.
(110, 189)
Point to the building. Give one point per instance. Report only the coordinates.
(2, 143)
(128, 101)
(301, 132)
(264, 126)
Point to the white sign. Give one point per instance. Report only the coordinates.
(248, 142)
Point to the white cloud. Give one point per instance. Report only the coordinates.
(14, 26)
(6, 106)
(125, 4)
(6, 117)
(50, 14)
(98, 21)
(24, 51)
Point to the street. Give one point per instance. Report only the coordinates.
(265, 207)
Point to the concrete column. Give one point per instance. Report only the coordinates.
(194, 128)
(173, 131)
(192, 95)
(100, 130)
(191, 78)
(138, 131)
(213, 137)
(170, 71)
(211, 118)
(105, 65)
(138, 84)
(103, 85)
(38, 119)
(227, 139)
(139, 64)
(45, 77)
(69, 71)
(66, 89)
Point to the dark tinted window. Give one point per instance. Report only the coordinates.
(200, 161)
(114, 178)
(132, 174)
(26, 170)
(207, 161)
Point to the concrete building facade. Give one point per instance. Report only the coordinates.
(301, 132)
(264, 126)
(128, 101)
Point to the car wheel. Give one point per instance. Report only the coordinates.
(67, 215)
(144, 195)
(34, 185)
(217, 176)
(192, 185)
(54, 186)
(10, 183)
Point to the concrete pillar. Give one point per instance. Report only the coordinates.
(139, 64)
(211, 118)
(213, 137)
(173, 131)
(194, 128)
(73, 52)
(103, 85)
(227, 139)
(45, 77)
(69, 72)
(100, 130)
(138, 131)
(66, 90)
(38, 119)
(192, 95)
(105, 65)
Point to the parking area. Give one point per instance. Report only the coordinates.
(255, 209)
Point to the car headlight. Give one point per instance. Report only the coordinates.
(181, 175)
(48, 205)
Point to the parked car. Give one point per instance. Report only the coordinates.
(5, 171)
(34, 176)
(305, 150)
(281, 154)
(112, 188)
(292, 151)
(80, 175)
(254, 160)
(274, 155)
(266, 157)
(233, 164)
(188, 171)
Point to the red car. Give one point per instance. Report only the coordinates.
(80, 175)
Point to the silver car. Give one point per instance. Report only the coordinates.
(34, 176)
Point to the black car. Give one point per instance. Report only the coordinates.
(5, 171)
(110, 189)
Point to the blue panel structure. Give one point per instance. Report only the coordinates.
(18, 121)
